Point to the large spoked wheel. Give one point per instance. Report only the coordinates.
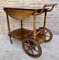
(31, 48)
(47, 33)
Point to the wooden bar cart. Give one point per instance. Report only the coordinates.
(31, 39)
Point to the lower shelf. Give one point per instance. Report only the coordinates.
(20, 35)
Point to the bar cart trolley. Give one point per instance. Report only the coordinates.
(31, 39)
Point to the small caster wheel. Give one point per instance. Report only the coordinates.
(31, 48)
(47, 33)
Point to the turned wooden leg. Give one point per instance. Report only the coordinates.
(21, 24)
(44, 25)
(34, 25)
(45, 19)
(8, 24)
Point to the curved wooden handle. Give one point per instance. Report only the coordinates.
(50, 5)
(48, 9)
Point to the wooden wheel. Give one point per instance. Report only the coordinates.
(31, 48)
(47, 33)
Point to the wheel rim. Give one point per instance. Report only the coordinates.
(47, 33)
(31, 48)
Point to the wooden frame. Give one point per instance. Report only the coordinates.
(31, 38)
(21, 14)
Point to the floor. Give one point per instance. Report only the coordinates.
(50, 51)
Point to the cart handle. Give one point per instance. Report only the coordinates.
(48, 9)
(50, 5)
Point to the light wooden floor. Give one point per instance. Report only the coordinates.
(15, 51)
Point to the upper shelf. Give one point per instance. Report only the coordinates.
(19, 13)
(22, 13)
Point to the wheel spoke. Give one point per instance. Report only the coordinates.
(27, 45)
(28, 42)
(35, 50)
(45, 32)
(41, 31)
(28, 49)
(32, 51)
(47, 36)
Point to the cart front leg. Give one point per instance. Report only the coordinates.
(8, 24)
